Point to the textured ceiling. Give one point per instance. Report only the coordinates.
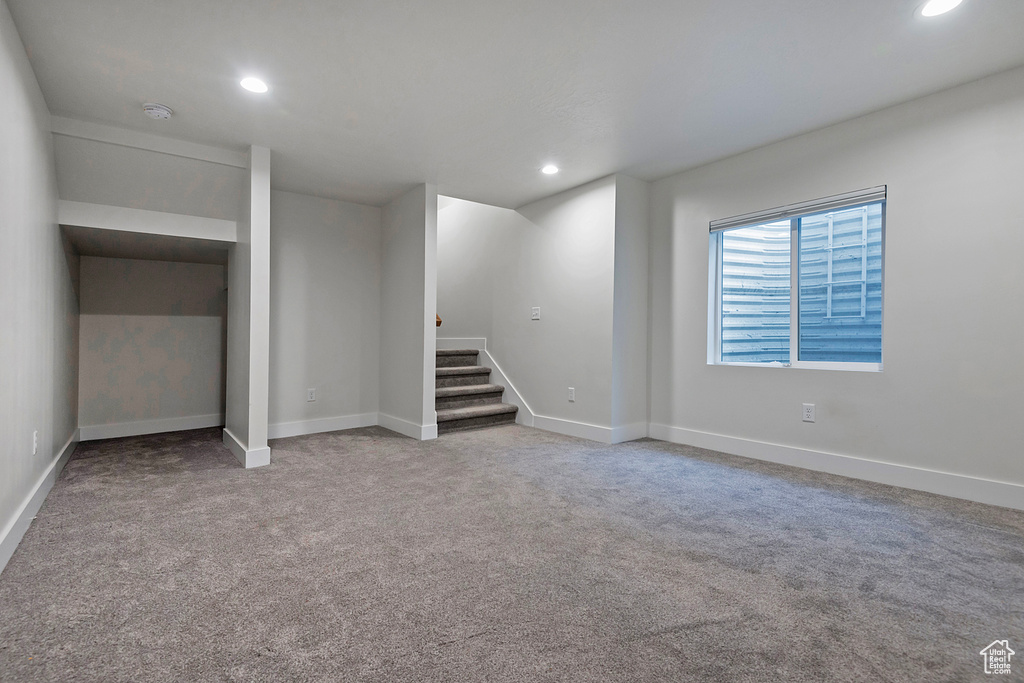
(369, 97)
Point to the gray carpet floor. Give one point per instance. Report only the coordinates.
(510, 554)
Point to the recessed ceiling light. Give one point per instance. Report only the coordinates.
(159, 112)
(550, 169)
(253, 84)
(934, 8)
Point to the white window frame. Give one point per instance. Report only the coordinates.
(793, 213)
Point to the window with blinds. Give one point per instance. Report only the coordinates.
(821, 309)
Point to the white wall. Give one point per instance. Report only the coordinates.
(103, 173)
(38, 344)
(324, 314)
(151, 346)
(949, 398)
(560, 256)
(248, 366)
(495, 264)
(407, 309)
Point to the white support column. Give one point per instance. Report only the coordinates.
(248, 371)
(259, 307)
(408, 306)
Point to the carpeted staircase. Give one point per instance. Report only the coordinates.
(463, 397)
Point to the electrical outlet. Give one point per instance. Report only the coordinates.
(535, 313)
(35, 442)
(808, 412)
(310, 394)
(572, 394)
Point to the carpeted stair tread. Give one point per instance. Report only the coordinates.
(457, 352)
(457, 358)
(464, 398)
(462, 370)
(468, 390)
(475, 411)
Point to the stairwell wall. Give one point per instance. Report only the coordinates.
(466, 239)
(495, 264)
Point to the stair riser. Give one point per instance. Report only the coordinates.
(475, 423)
(461, 380)
(443, 403)
(456, 361)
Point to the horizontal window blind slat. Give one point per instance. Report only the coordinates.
(865, 196)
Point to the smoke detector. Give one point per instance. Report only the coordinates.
(157, 111)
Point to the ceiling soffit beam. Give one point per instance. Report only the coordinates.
(86, 130)
(85, 215)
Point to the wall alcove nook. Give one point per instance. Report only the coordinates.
(152, 331)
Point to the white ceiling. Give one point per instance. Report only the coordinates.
(369, 97)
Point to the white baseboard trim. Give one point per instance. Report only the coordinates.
(572, 428)
(249, 458)
(980, 490)
(525, 416)
(169, 424)
(14, 530)
(478, 343)
(283, 430)
(630, 432)
(584, 430)
(411, 429)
